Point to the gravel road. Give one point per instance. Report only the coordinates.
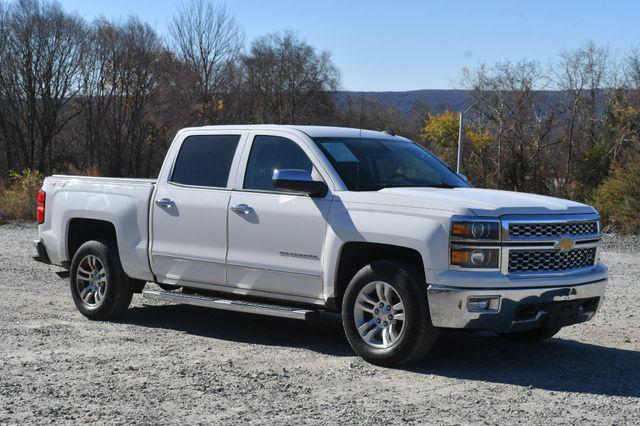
(170, 364)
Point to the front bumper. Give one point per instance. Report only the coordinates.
(515, 309)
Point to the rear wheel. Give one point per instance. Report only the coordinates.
(531, 336)
(99, 286)
(385, 314)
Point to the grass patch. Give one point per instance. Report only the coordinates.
(18, 195)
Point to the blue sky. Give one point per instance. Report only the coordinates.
(407, 45)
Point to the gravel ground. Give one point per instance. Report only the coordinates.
(170, 364)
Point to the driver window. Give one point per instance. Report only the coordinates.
(269, 153)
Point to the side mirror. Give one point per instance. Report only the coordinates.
(464, 177)
(298, 181)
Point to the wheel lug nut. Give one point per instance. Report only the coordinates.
(381, 305)
(375, 311)
(385, 323)
(378, 321)
(390, 317)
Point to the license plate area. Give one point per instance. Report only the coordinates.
(563, 313)
(557, 314)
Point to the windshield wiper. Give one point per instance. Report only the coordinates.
(442, 185)
(379, 186)
(376, 187)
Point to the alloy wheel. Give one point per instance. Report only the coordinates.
(91, 281)
(379, 315)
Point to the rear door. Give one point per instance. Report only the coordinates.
(189, 209)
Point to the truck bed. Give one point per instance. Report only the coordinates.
(100, 179)
(122, 202)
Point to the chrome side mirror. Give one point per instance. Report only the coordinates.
(298, 181)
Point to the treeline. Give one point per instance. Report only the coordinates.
(106, 97)
(577, 139)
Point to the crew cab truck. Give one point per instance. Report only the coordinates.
(291, 220)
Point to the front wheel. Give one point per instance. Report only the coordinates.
(99, 286)
(385, 314)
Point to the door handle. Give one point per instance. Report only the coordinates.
(165, 202)
(242, 208)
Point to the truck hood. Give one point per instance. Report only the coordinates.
(481, 202)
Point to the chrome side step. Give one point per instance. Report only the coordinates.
(229, 305)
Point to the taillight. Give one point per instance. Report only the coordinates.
(40, 212)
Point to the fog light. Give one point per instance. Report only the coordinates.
(483, 304)
(477, 257)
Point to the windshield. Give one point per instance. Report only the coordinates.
(374, 164)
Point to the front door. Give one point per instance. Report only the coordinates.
(276, 238)
(189, 211)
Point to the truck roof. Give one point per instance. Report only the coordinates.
(311, 131)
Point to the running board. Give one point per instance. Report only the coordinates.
(229, 305)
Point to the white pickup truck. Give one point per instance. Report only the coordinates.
(291, 220)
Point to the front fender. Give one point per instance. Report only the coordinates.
(425, 231)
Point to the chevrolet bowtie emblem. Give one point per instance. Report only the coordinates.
(565, 244)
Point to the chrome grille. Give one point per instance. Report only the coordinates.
(550, 260)
(541, 230)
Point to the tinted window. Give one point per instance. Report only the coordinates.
(269, 153)
(374, 164)
(205, 160)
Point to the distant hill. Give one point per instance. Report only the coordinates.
(435, 100)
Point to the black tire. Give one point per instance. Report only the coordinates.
(118, 293)
(531, 336)
(418, 335)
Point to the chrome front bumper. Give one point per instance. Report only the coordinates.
(515, 309)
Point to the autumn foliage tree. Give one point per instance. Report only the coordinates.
(440, 131)
(440, 134)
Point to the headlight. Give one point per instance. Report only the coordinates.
(476, 258)
(475, 243)
(463, 229)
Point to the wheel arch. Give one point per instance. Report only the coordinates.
(81, 230)
(355, 255)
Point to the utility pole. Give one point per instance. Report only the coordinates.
(459, 164)
(459, 146)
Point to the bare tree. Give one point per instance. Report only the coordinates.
(207, 39)
(509, 109)
(623, 122)
(288, 81)
(41, 59)
(631, 66)
(581, 74)
(120, 79)
(8, 147)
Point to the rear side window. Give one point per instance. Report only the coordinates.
(269, 153)
(205, 160)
